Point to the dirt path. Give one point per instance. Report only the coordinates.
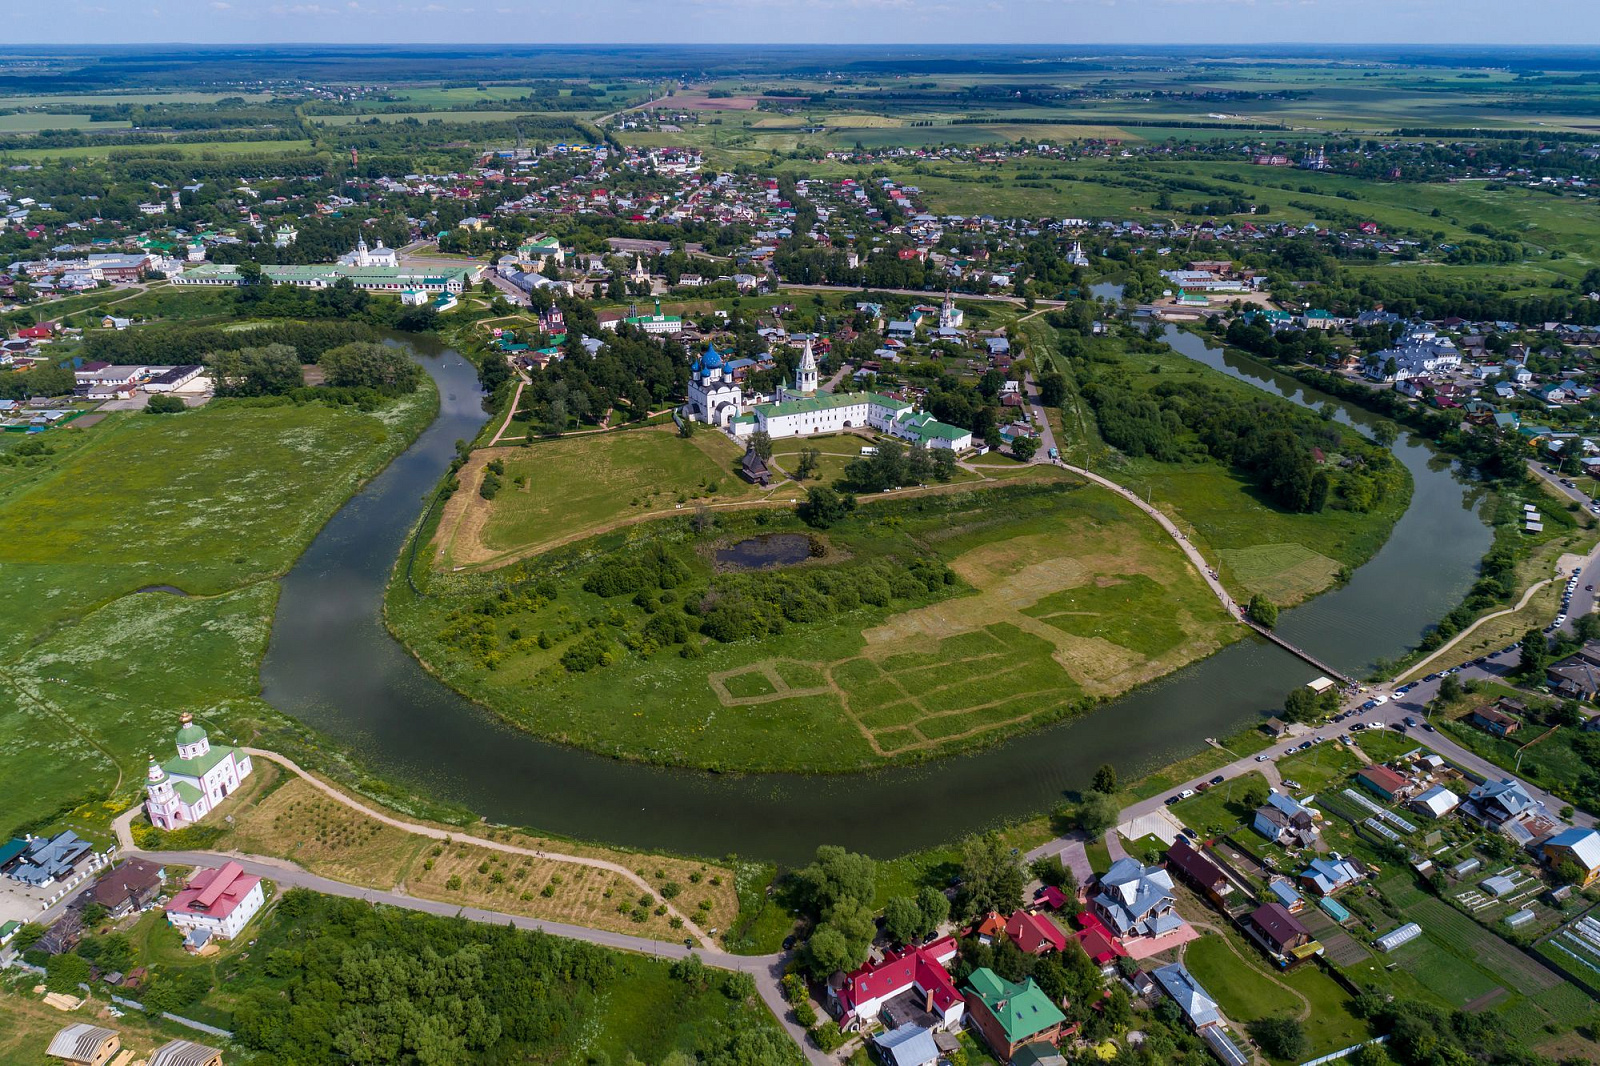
(516, 398)
(1419, 668)
(1305, 1004)
(125, 837)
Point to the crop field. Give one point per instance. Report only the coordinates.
(1040, 634)
(186, 149)
(436, 116)
(1281, 572)
(34, 121)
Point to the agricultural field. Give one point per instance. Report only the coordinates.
(35, 121)
(198, 510)
(286, 817)
(1033, 627)
(186, 149)
(435, 116)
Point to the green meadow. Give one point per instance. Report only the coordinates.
(213, 503)
(1030, 625)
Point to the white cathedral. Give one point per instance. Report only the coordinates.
(717, 400)
(371, 257)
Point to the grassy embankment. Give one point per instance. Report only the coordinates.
(1257, 546)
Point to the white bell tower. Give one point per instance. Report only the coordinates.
(805, 375)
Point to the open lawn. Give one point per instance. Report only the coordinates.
(579, 486)
(1259, 547)
(1062, 595)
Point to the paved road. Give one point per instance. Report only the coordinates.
(1412, 704)
(925, 293)
(767, 970)
(1047, 435)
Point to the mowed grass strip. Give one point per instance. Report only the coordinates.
(1284, 573)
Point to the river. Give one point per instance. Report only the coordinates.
(332, 664)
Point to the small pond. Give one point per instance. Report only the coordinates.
(766, 551)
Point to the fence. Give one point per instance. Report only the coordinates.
(1335, 1056)
(210, 1030)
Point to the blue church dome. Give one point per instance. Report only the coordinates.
(712, 358)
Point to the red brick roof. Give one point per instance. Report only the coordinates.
(1035, 933)
(921, 967)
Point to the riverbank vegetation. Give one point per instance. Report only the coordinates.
(912, 627)
(1288, 502)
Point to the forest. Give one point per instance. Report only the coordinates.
(335, 981)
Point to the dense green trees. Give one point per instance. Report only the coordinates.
(991, 876)
(1263, 610)
(373, 366)
(837, 889)
(336, 981)
(270, 370)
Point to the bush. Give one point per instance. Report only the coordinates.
(164, 403)
(1280, 1038)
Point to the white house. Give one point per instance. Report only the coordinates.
(220, 901)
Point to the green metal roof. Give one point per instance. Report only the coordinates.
(186, 792)
(828, 401)
(191, 734)
(11, 849)
(198, 767)
(1021, 1009)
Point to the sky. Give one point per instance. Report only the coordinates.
(1568, 22)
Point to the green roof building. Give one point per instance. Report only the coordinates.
(1011, 1014)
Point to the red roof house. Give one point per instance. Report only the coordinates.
(220, 901)
(1035, 933)
(1097, 941)
(916, 972)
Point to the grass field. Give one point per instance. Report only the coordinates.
(213, 502)
(1041, 628)
(578, 486)
(186, 149)
(34, 121)
(1258, 546)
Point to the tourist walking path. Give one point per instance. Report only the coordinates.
(767, 970)
(126, 842)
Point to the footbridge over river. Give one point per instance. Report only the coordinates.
(1299, 652)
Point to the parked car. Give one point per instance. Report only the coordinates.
(1262, 758)
(1380, 700)
(1368, 705)
(1218, 779)
(1410, 720)
(1186, 793)
(1428, 726)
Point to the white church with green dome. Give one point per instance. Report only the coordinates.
(715, 398)
(181, 791)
